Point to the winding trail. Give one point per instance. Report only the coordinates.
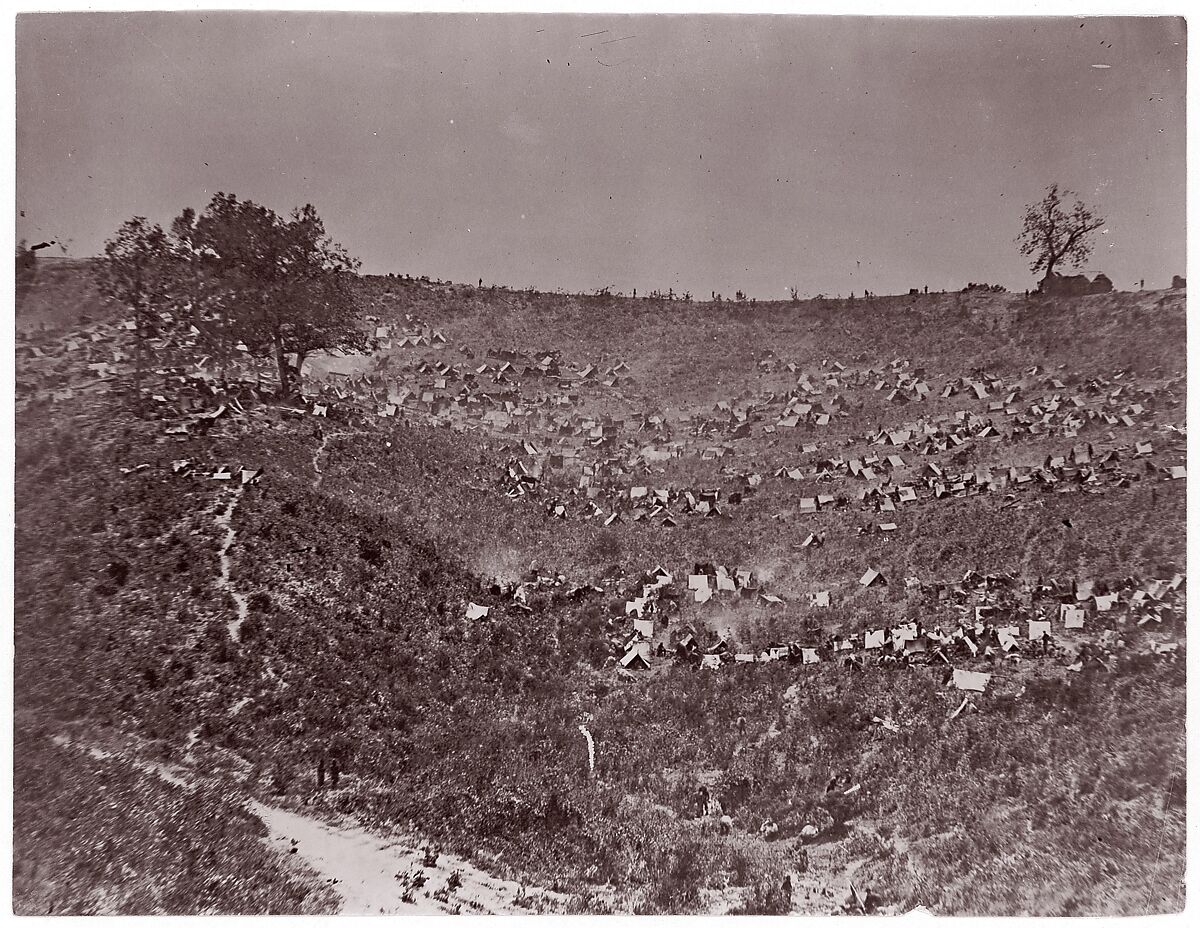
(224, 520)
(372, 874)
(318, 474)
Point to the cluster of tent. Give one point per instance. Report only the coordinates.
(994, 622)
(642, 503)
(592, 466)
(517, 593)
(890, 483)
(1050, 414)
(387, 336)
(505, 394)
(224, 473)
(1058, 413)
(195, 389)
(1112, 401)
(602, 466)
(89, 358)
(988, 617)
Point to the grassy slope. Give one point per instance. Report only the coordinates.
(682, 349)
(101, 837)
(358, 645)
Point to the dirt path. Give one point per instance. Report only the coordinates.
(831, 882)
(318, 474)
(224, 520)
(171, 775)
(375, 876)
(824, 887)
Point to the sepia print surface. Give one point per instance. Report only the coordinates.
(599, 464)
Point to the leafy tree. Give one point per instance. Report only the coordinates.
(137, 271)
(204, 300)
(1055, 234)
(284, 285)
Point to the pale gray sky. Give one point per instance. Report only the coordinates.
(699, 153)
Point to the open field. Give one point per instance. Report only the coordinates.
(520, 514)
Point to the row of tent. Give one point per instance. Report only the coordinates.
(1083, 468)
(1050, 413)
(1144, 600)
(601, 487)
(981, 631)
(927, 440)
(909, 642)
(605, 434)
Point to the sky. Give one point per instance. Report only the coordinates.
(698, 153)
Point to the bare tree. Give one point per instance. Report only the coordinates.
(1055, 234)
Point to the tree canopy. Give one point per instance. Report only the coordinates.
(136, 270)
(1055, 234)
(284, 282)
(239, 272)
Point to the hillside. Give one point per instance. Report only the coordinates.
(60, 296)
(523, 513)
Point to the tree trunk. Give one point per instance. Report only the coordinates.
(281, 362)
(137, 375)
(139, 342)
